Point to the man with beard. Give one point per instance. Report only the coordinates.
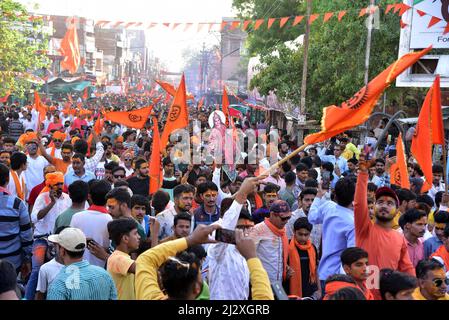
(48, 206)
(384, 178)
(432, 281)
(183, 196)
(34, 174)
(140, 183)
(414, 225)
(62, 163)
(78, 172)
(55, 151)
(208, 212)
(386, 247)
(5, 158)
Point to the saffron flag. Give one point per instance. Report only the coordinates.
(357, 110)
(131, 119)
(200, 103)
(85, 93)
(170, 89)
(40, 107)
(398, 171)
(155, 160)
(70, 50)
(225, 105)
(429, 130)
(178, 116)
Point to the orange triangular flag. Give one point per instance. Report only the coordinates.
(357, 110)
(297, 20)
(85, 94)
(404, 9)
(200, 27)
(170, 89)
(397, 6)
(151, 25)
(402, 24)
(131, 119)
(283, 21)
(40, 107)
(200, 103)
(313, 17)
(246, 24)
(235, 24)
(188, 25)
(398, 171)
(178, 116)
(341, 14)
(225, 105)
(421, 13)
(362, 12)
(223, 25)
(70, 50)
(429, 130)
(327, 16)
(175, 24)
(258, 23)
(155, 160)
(433, 21)
(446, 30)
(389, 7)
(270, 22)
(210, 26)
(167, 24)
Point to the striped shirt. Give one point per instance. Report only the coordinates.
(82, 281)
(16, 235)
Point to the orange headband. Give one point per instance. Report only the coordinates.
(54, 178)
(58, 135)
(334, 286)
(27, 137)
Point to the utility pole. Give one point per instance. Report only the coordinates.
(302, 108)
(368, 40)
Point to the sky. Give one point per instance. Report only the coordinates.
(166, 44)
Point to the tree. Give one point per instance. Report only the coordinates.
(22, 48)
(336, 53)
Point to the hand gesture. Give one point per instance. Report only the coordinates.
(364, 164)
(201, 235)
(245, 245)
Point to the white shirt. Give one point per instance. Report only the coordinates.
(47, 273)
(166, 220)
(269, 250)
(47, 224)
(94, 225)
(228, 270)
(57, 152)
(34, 174)
(29, 125)
(434, 190)
(11, 187)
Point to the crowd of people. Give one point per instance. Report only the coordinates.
(78, 222)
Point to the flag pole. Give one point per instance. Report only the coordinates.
(280, 162)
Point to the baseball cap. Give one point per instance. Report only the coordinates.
(71, 239)
(280, 206)
(385, 191)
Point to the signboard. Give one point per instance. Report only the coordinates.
(114, 89)
(416, 35)
(421, 35)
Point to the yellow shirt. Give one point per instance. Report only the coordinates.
(148, 263)
(396, 220)
(118, 266)
(418, 296)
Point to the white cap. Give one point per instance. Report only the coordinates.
(71, 239)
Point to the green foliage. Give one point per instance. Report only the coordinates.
(336, 53)
(22, 47)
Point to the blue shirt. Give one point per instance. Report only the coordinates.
(338, 233)
(70, 177)
(341, 162)
(82, 281)
(16, 235)
(431, 245)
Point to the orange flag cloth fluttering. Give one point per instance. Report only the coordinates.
(132, 119)
(357, 110)
(429, 130)
(398, 171)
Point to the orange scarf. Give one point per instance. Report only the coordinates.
(295, 264)
(280, 233)
(19, 190)
(443, 254)
(334, 286)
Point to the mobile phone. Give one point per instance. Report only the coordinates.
(392, 153)
(90, 241)
(278, 291)
(225, 235)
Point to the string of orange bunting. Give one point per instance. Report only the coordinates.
(398, 8)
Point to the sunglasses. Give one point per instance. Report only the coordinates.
(57, 140)
(284, 218)
(128, 159)
(243, 227)
(119, 176)
(439, 282)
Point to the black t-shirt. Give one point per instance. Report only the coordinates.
(139, 186)
(168, 184)
(308, 289)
